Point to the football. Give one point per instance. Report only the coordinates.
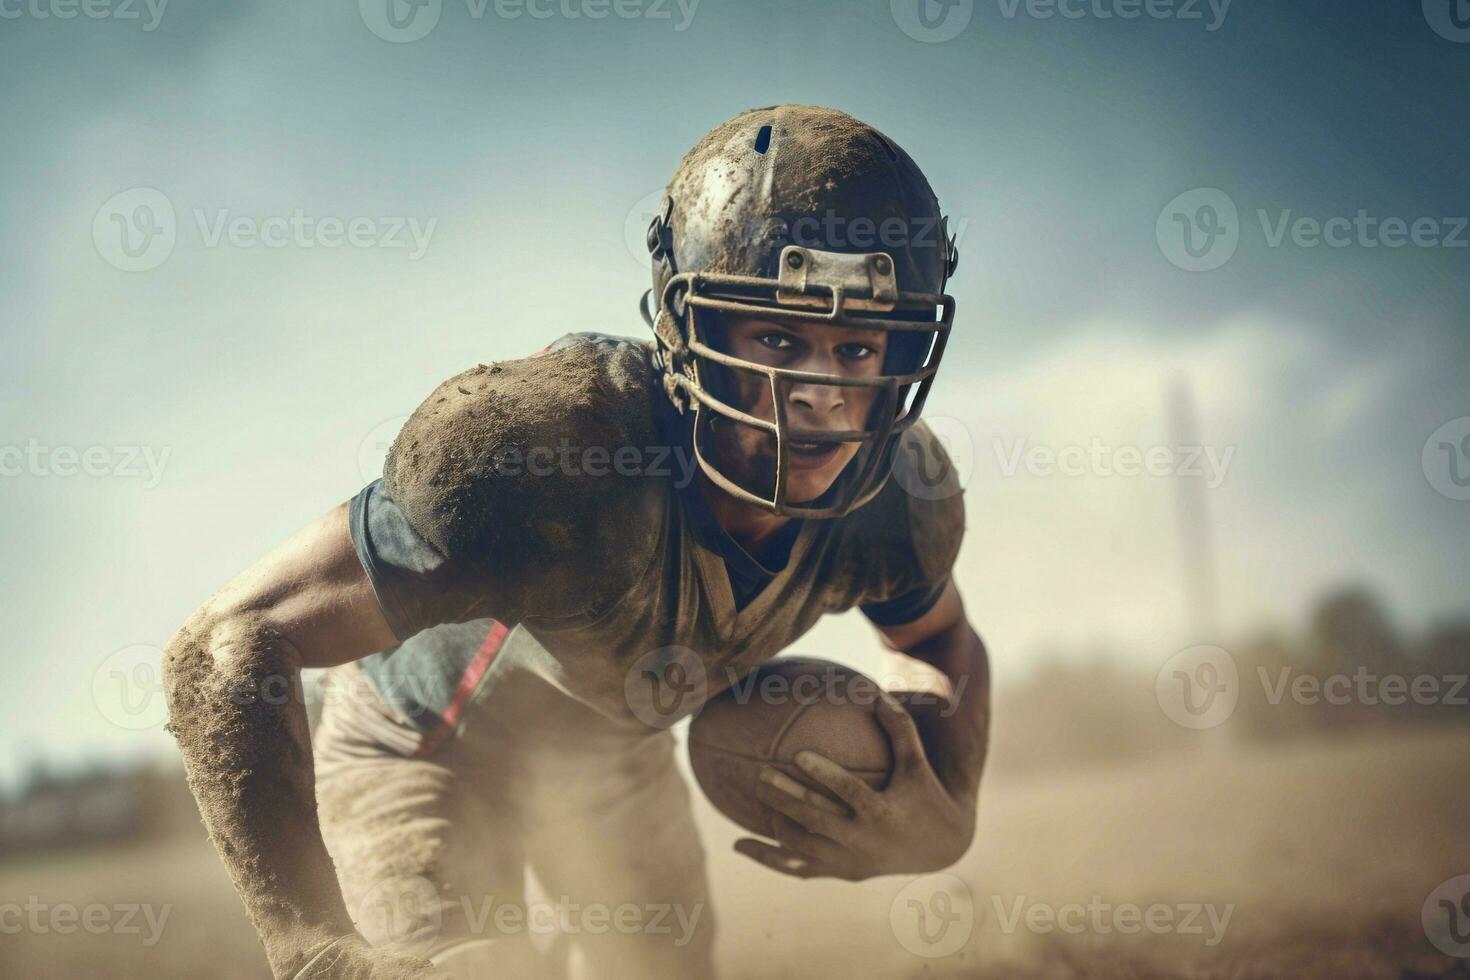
(776, 711)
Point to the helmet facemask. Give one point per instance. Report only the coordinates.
(821, 288)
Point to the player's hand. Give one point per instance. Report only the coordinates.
(352, 958)
(913, 825)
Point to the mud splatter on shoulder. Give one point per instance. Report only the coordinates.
(493, 461)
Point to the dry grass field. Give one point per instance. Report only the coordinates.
(1323, 850)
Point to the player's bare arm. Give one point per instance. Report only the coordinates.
(955, 731)
(232, 675)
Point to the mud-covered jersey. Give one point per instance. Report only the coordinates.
(555, 494)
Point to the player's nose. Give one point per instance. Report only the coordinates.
(819, 400)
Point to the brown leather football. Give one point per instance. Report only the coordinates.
(784, 706)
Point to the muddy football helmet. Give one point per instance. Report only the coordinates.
(806, 214)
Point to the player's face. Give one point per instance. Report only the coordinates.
(799, 346)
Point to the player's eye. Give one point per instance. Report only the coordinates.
(774, 341)
(855, 351)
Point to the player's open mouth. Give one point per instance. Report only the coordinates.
(811, 455)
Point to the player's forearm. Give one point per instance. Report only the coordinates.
(233, 686)
(958, 732)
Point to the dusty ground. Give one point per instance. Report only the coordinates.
(1325, 848)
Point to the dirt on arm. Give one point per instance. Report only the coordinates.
(234, 696)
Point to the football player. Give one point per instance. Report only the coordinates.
(550, 531)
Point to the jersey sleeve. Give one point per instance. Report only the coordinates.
(914, 533)
(416, 586)
(486, 510)
(905, 608)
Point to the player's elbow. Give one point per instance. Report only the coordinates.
(222, 654)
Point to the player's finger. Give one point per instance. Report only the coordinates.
(908, 748)
(779, 780)
(847, 787)
(820, 853)
(818, 821)
(775, 858)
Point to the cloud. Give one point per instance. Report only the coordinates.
(1088, 557)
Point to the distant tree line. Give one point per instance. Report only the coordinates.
(1348, 668)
